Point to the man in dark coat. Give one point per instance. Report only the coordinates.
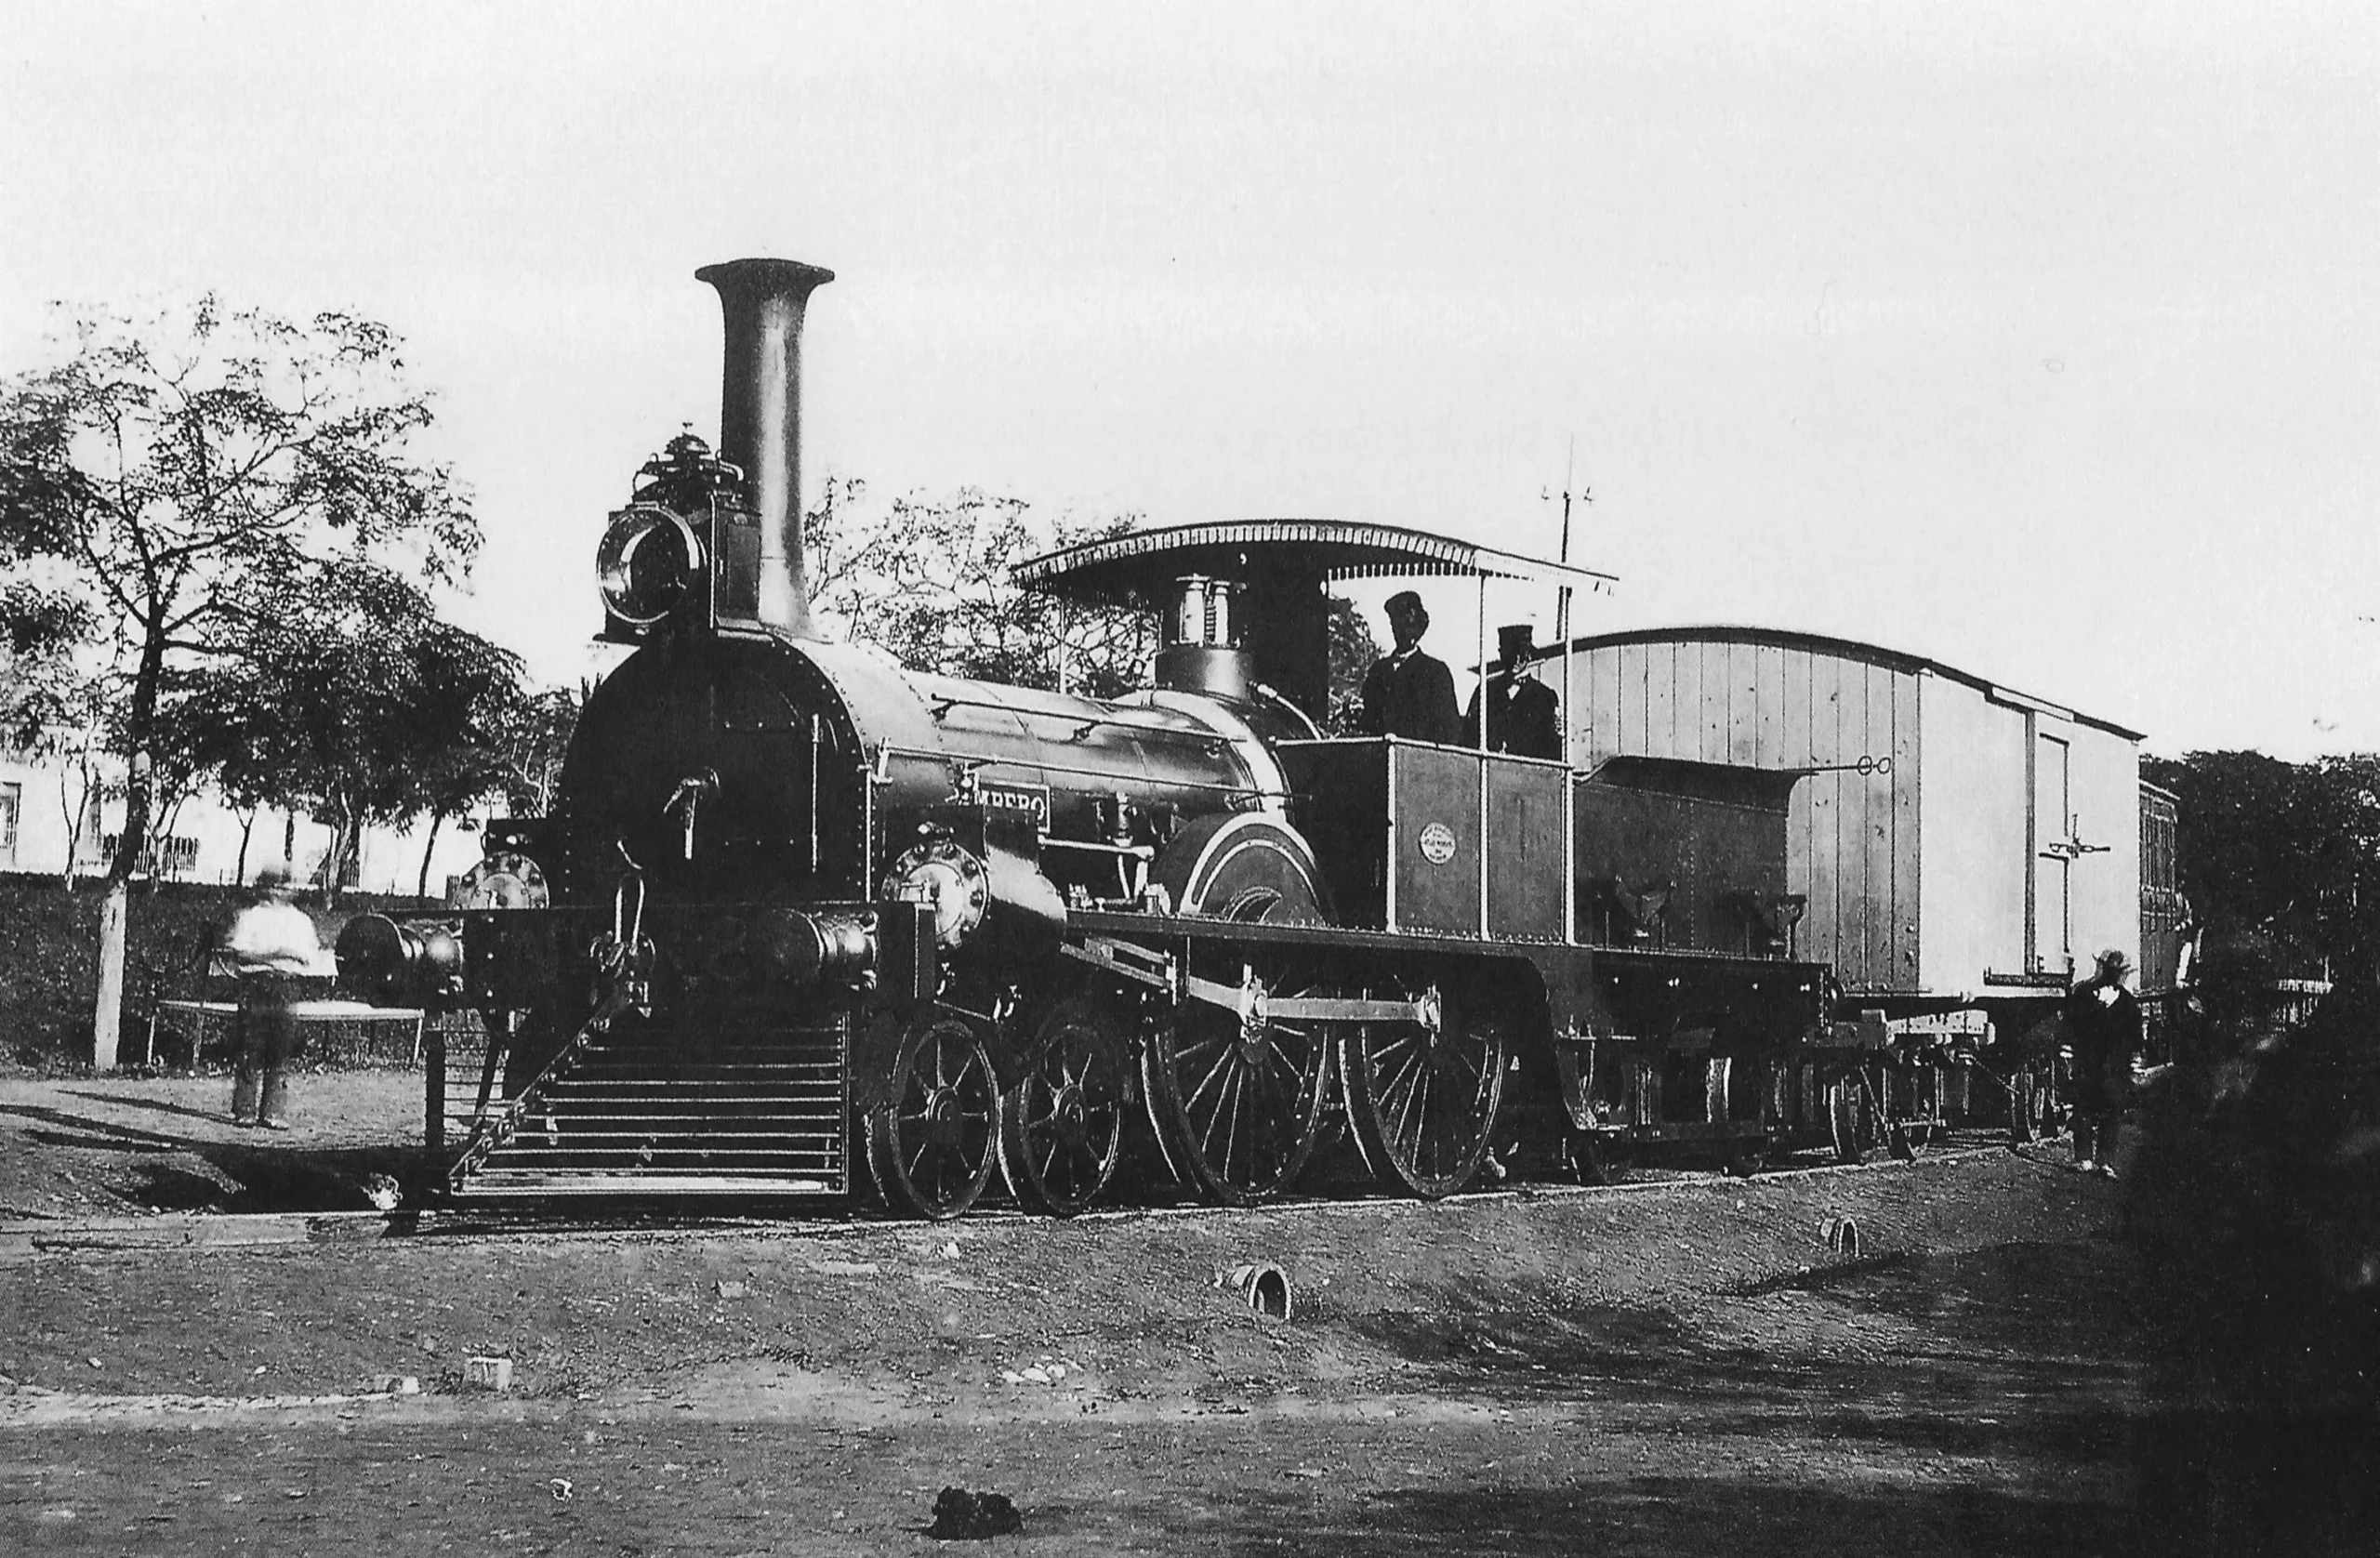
(2103, 1031)
(1407, 693)
(1524, 716)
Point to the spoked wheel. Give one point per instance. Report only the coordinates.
(1850, 1121)
(931, 1147)
(1920, 1091)
(2034, 1113)
(1236, 1097)
(1062, 1129)
(1422, 1095)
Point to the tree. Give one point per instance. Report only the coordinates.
(2286, 854)
(162, 464)
(1353, 650)
(509, 747)
(357, 706)
(929, 581)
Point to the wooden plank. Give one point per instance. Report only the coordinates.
(1768, 674)
(1661, 700)
(1603, 678)
(1878, 908)
(1687, 713)
(1792, 750)
(1825, 810)
(1909, 774)
(1634, 698)
(1850, 703)
(1743, 704)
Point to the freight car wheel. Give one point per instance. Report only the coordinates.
(1422, 1096)
(1850, 1121)
(1597, 1158)
(931, 1146)
(1062, 1129)
(2036, 1113)
(1237, 1099)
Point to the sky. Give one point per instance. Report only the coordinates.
(2043, 340)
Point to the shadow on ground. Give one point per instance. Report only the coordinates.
(258, 1172)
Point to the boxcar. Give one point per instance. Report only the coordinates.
(1961, 846)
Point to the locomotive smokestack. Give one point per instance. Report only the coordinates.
(759, 416)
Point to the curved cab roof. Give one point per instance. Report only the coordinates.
(1139, 567)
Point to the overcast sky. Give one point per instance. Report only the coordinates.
(2040, 340)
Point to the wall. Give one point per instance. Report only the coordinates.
(1854, 837)
(209, 836)
(1976, 844)
(2106, 819)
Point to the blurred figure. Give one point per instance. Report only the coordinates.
(2103, 1029)
(1524, 716)
(2258, 1228)
(1407, 693)
(272, 946)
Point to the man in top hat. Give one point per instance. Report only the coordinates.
(2103, 1029)
(1407, 693)
(1524, 716)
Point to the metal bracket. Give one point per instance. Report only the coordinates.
(1126, 960)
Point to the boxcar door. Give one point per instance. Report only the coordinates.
(2049, 918)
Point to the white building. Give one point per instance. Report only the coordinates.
(50, 819)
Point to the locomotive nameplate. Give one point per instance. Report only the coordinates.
(1031, 800)
(1437, 843)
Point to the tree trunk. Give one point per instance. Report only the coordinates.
(421, 888)
(106, 1019)
(108, 1016)
(247, 826)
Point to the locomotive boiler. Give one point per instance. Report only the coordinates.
(795, 905)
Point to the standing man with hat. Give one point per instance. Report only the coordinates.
(1407, 693)
(1524, 716)
(2102, 1030)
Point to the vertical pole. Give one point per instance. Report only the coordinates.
(1482, 663)
(1481, 735)
(1483, 839)
(1562, 635)
(433, 1098)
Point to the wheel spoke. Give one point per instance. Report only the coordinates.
(1422, 1103)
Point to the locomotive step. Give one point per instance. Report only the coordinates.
(678, 1138)
(627, 1161)
(499, 1183)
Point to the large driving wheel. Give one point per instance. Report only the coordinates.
(1237, 1096)
(1422, 1095)
(1062, 1127)
(1245, 866)
(931, 1146)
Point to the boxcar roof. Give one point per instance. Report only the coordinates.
(1874, 655)
(1139, 567)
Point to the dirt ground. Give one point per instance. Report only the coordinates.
(1646, 1368)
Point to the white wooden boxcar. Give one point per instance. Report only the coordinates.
(1960, 845)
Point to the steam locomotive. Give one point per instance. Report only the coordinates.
(795, 905)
